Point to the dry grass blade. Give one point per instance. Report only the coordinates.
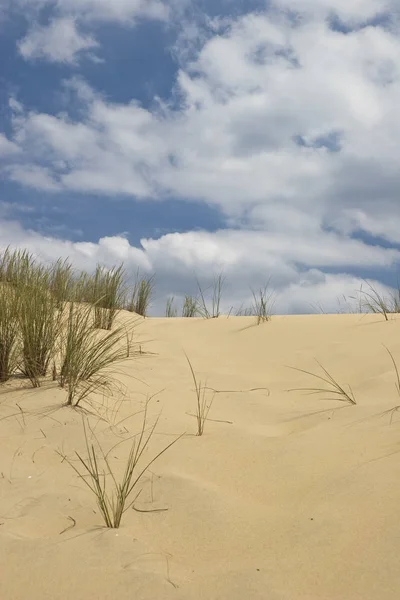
(113, 496)
(203, 405)
(335, 388)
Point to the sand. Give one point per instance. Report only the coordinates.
(286, 496)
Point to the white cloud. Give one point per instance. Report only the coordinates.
(249, 94)
(98, 10)
(60, 41)
(356, 11)
(6, 147)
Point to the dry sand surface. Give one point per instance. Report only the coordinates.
(286, 496)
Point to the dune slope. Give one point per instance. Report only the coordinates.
(286, 496)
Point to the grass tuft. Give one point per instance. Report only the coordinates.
(171, 310)
(190, 307)
(106, 292)
(61, 282)
(203, 404)
(339, 393)
(141, 295)
(374, 302)
(212, 310)
(40, 323)
(263, 303)
(113, 496)
(87, 354)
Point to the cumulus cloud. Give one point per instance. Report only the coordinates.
(99, 10)
(357, 11)
(7, 148)
(274, 118)
(60, 41)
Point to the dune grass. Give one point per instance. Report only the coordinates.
(142, 293)
(106, 291)
(40, 325)
(334, 388)
(113, 496)
(203, 404)
(211, 309)
(61, 282)
(86, 355)
(16, 266)
(10, 347)
(396, 408)
(170, 309)
(372, 301)
(190, 307)
(263, 303)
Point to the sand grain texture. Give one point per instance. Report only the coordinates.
(294, 497)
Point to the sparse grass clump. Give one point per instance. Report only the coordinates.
(372, 301)
(87, 354)
(263, 303)
(141, 295)
(113, 496)
(211, 310)
(334, 388)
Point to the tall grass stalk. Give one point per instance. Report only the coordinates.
(9, 331)
(113, 496)
(141, 295)
(61, 282)
(16, 266)
(170, 309)
(203, 404)
(107, 293)
(263, 303)
(334, 388)
(87, 354)
(213, 309)
(40, 324)
(190, 307)
(377, 303)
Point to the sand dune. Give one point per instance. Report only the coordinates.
(286, 496)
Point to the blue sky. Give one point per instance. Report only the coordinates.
(258, 138)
